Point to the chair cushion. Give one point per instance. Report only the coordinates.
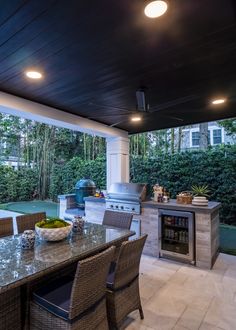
(55, 297)
(111, 275)
(110, 280)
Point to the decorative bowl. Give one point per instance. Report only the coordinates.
(53, 234)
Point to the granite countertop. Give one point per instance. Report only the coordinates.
(19, 266)
(173, 205)
(94, 199)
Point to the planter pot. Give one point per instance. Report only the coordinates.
(200, 201)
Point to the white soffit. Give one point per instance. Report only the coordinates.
(20, 107)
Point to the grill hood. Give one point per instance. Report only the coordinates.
(127, 191)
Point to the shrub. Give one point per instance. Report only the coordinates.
(17, 185)
(215, 167)
(64, 177)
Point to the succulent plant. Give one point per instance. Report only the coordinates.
(200, 190)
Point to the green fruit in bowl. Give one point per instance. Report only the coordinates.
(53, 229)
(52, 223)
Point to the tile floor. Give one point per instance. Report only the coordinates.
(179, 297)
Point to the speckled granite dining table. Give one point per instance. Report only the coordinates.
(18, 267)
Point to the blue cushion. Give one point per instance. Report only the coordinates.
(55, 297)
(111, 275)
(110, 280)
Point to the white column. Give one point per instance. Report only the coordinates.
(117, 160)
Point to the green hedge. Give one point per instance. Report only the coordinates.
(215, 167)
(64, 177)
(17, 185)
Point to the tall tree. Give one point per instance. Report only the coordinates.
(179, 139)
(203, 138)
(229, 126)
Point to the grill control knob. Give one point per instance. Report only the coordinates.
(122, 207)
(133, 209)
(111, 206)
(117, 206)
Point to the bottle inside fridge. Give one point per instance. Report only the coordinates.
(176, 235)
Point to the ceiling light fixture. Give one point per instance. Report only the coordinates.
(136, 118)
(33, 74)
(155, 9)
(218, 101)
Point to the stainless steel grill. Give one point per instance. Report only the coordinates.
(126, 197)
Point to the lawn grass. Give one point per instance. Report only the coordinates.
(228, 239)
(51, 208)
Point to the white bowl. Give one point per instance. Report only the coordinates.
(53, 234)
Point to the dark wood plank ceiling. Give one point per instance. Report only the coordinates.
(95, 54)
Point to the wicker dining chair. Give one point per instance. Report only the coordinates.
(6, 226)
(74, 303)
(28, 221)
(123, 284)
(117, 219)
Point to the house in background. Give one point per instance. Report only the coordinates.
(216, 136)
(9, 153)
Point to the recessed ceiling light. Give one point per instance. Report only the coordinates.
(33, 74)
(218, 101)
(136, 118)
(155, 9)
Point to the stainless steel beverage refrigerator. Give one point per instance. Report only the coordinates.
(176, 235)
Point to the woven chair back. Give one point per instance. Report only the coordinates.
(6, 226)
(28, 221)
(127, 267)
(89, 284)
(117, 219)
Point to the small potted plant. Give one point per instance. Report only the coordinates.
(200, 194)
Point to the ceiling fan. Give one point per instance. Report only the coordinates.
(143, 110)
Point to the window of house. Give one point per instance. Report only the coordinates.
(195, 139)
(217, 136)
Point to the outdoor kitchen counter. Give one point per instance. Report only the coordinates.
(173, 205)
(94, 199)
(206, 225)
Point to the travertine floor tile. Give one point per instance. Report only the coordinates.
(191, 318)
(178, 278)
(179, 327)
(155, 272)
(151, 288)
(164, 305)
(164, 263)
(221, 314)
(158, 320)
(207, 326)
(180, 297)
